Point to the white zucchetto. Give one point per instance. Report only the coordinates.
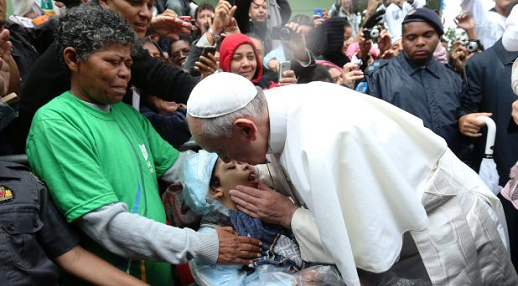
(220, 94)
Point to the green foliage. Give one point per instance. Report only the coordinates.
(453, 35)
(433, 4)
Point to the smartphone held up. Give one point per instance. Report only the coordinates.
(284, 66)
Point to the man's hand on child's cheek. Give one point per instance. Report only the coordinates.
(264, 203)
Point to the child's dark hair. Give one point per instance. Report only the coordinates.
(214, 180)
(315, 73)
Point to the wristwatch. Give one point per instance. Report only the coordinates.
(215, 37)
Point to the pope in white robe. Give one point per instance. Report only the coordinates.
(366, 173)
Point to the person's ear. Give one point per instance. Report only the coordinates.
(215, 193)
(71, 58)
(246, 127)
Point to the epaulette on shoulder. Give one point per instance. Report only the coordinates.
(375, 66)
(14, 166)
(16, 170)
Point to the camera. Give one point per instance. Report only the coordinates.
(281, 33)
(188, 19)
(473, 46)
(372, 33)
(371, 29)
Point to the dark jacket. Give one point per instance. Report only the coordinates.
(32, 231)
(172, 127)
(431, 93)
(489, 90)
(29, 43)
(241, 14)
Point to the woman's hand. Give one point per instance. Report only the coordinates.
(288, 77)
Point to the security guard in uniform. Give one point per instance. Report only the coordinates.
(30, 229)
(415, 82)
(34, 235)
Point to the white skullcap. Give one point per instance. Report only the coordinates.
(220, 94)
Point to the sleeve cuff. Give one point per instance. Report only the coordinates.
(208, 246)
(204, 42)
(306, 233)
(303, 64)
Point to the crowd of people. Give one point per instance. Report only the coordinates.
(171, 142)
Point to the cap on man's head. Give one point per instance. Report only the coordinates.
(425, 15)
(220, 94)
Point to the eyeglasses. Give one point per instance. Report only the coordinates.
(182, 52)
(162, 55)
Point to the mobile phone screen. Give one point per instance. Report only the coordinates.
(284, 66)
(208, 50)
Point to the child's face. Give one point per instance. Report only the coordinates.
(235, 173)
(231, 175)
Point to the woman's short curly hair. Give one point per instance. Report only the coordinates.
(91, 28)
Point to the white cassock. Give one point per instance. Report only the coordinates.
(368, 172)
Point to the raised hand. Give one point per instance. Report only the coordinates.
(169, 25)
(223, 15)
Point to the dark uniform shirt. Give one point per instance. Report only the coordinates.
(32, 231)
(431, 93)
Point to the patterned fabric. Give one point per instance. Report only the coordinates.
(178, 213)
(215, 218)
(277, 248)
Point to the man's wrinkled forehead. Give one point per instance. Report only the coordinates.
(260, 2)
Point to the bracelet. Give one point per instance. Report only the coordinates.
(215, 37)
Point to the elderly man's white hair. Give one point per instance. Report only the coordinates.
(222, 98)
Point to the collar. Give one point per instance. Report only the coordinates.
(278, 124)
(101, 107)
(411, 67)
(103, 112)
(505, 56)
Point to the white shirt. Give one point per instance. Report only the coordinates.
(490, 25)
(510, 42)
(510, 38)
(394, 16)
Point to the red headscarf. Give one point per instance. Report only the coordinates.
(228, 48)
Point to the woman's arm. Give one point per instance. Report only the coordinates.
(89, 267)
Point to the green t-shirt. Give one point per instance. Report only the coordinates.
(90, 158)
